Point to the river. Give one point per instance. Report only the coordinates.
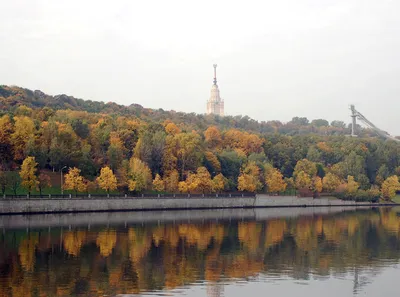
(281, 252)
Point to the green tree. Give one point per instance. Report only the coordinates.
(305, 166)
(3, 181)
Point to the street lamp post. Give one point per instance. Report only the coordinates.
(61, 173)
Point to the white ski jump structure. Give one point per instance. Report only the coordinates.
(358, 115)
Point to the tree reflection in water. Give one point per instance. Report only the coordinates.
(132, 259)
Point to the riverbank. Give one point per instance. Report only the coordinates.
(96, 219)
(64, 205)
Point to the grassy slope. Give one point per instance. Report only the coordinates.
(396, 199)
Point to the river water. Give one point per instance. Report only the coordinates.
(238, 253)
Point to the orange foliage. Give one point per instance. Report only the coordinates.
(106, 241)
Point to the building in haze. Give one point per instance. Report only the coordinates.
(215, 105)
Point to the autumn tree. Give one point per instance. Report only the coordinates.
(24, 130)
(139, 175)
(212, 163)
(274, 181)
(182, 152)
(246, 142)
(330, 182)
(305, 166)
(198, 182)
(249, 178)
(171, 180)
(107, 180)
(352, 186)
(183, 187)
(74, 181)
(6, 129)
(116, 151)
(212, 137)
(303, 180)
(122, 176)
(158, 183)
(218, 183)
(390, 186)
(43, 182)
(172, 129)
(28, 174)
(316, 185)
(90, 186)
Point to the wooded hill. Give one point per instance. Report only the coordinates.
(173, 151)
(12, 97)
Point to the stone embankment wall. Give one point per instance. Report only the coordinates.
(8, 206)
(15, 206)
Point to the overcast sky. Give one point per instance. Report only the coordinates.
(276, 59)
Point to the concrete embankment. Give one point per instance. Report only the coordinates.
(29, 206)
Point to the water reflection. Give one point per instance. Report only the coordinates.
(162, 258)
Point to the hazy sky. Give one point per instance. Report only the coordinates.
(276, 59)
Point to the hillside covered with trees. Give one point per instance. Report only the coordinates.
(131, 148)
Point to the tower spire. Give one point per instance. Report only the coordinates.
(215, 74)
(215, 105)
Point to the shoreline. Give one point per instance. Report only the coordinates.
(94, 219)
(9, 207)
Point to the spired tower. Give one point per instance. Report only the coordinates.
(215, 105)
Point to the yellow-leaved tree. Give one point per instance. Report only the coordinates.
(306, 179)
(28, 174)
(200, 181)
(303, 180)
(24, 130)
(330, 182)
(274, 181)
(172, 129)
(107, 180)
(171, 180)
(74, 181)
(183, 187)
(352, 185)
(316, 185)
(219, 183)
(158, 183)
(212, 137)
(249, 178)
(390, 186)
(139, 175)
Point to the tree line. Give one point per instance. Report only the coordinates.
(125, 153)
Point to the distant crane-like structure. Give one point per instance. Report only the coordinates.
(358, 115)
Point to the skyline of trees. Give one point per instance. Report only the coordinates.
(187, 149)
